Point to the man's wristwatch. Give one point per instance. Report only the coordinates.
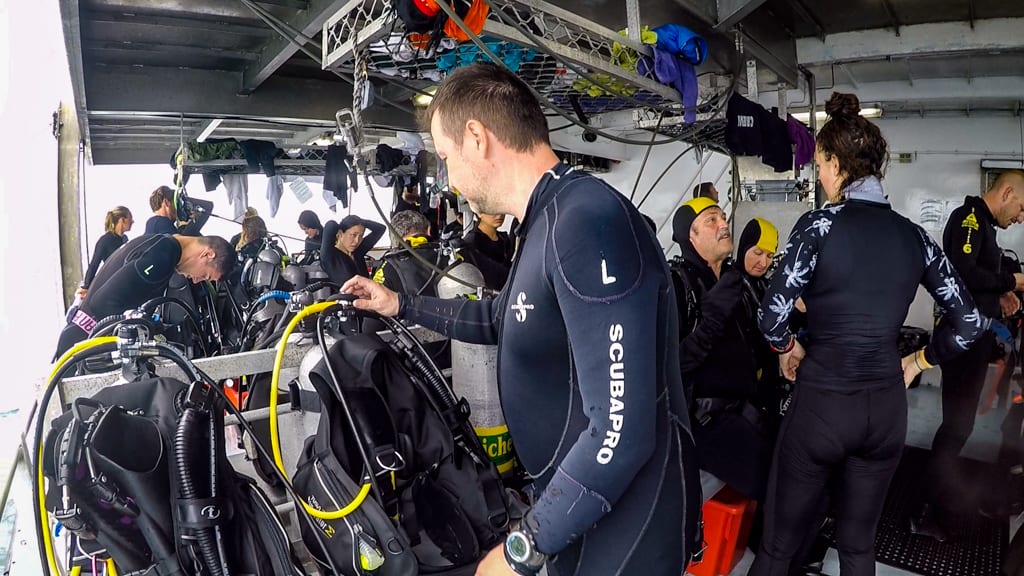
(521, 553)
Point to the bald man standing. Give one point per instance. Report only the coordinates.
(969, 241)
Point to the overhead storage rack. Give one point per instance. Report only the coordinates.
(545, 45)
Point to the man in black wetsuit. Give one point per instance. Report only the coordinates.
(716, 358)
(587, 366)
(969, 240)
(401, 271)
(141, 270)
(165, 214)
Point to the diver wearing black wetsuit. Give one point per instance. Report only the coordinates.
(594, 402)
(137, 272)
(160, 225)
(970, 240)
(404, 273)
(340, 266)
(717, 361)
(857, 265)
(105, 246)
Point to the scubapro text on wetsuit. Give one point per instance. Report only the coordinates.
(616, 389)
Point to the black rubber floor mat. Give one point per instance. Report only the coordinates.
(976, 547)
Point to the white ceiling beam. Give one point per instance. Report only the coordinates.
(914, 40)
(923, 90)
(207, 128)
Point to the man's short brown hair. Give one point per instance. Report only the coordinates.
(156, 199)
(225, 255)
(496, 98)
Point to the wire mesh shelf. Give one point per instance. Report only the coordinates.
(540, 42)
(282, 166)
(709, 129)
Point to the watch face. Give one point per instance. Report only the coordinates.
(518, 547)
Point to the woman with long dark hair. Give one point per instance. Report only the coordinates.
(857, 265)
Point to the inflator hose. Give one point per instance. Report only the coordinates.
(107, 321)
(152, 303)
(205, 537)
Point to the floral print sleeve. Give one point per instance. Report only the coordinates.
(963, 323)
(795, 272)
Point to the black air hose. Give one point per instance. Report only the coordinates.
(107, 329)
(317, 286)
(205, 537)
(152, 303)
(102, 324)
(442, 394)
(421, 360)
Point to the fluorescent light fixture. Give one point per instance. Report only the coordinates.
(996, 164)
(423, 100)
(820, 115)
(213, 124)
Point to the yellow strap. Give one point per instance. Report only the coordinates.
(921, 360)
(40, 479)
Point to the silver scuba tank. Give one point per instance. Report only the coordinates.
(475, 376)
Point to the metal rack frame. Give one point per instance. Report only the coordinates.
(283, 167)
(373, 27)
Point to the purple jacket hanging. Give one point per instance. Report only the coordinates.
(803, 141)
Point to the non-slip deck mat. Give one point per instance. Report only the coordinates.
(975, 548)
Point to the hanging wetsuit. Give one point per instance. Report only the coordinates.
(105, 246)
(340, 266)
(136, 273)
(587, 370)
(857, 265)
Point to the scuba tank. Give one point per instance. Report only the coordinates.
(475, 377)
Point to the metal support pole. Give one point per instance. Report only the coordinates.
(752, 79)
(812, 89)
(633, 19)
(70, 217)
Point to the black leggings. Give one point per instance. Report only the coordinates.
(856, 436)
(963, 379)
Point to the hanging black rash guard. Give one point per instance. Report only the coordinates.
(589, 380)
(969, 240)
(105, 246)
(857, 266)
(340, 266)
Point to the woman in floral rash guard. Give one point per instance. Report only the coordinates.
(857, 264)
